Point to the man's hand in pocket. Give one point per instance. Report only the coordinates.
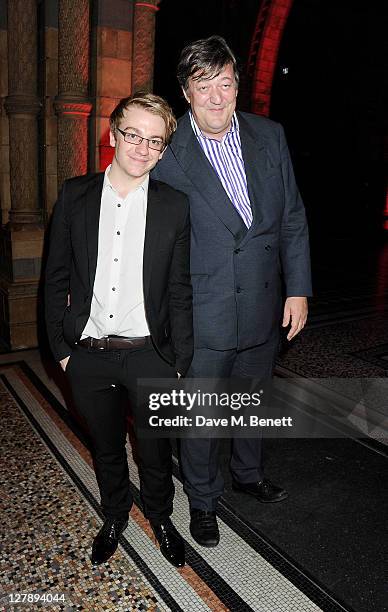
(64, 363)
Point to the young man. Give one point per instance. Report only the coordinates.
(248, 228)
(119, 307)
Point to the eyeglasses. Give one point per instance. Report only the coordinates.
(154, 143)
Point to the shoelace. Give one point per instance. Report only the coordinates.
(265, 484)
(111, 531)
(165, 534)
(207, 521)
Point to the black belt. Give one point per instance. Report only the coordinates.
(111, 343)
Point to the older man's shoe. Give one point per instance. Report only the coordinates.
(170, 541)
(204, 528)
(264, 491)
(106, 541)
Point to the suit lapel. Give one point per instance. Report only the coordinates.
(254, 156)
(198, 169)
(154, 221)
(93, 205)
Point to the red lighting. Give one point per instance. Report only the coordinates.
(148, 5)
(76, 113)
(105, 156)
(385, 214)
(274, 15)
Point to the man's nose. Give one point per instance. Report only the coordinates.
(215, 96)
(143, 147)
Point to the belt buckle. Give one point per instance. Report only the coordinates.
(97, 344)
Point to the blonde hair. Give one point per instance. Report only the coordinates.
(150, 102)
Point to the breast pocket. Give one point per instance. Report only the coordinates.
(200, 283)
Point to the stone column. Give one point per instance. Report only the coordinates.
(49, 80)
(21, 239)
(111, 72)
(22, 106)
(144, 44)
(72, 104)
(5, 197)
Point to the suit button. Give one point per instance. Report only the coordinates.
(267, 247)
(266, 285)
(237, 251)
(238, 290)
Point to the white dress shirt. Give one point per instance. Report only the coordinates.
(118, 300)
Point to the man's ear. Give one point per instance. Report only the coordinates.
(187, 98)
(112, 139)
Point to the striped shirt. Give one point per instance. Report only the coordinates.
(226, 158)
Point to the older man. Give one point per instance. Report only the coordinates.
(249, 232)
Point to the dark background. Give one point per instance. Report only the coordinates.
(332, 102)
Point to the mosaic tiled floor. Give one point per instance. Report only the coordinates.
(377, 355)
(49, 497)
(343, 348)
(342, 344)
(50, 514)
(47, 527)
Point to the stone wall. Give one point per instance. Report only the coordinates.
(64, 64)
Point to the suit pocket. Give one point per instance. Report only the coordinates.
(68, 325)
(200, 283)
(70, 363)
(167, 330)
(67, 371)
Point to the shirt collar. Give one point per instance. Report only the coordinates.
(108, 185)
(234, 127)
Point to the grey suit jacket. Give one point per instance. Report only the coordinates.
(237, 273)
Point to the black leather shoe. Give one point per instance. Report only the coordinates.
(204, 528)
(170, 541)
(264, 491)
(107, 539)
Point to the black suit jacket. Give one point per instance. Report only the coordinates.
(72, 261)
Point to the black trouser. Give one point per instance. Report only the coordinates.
(96, 379)
(203, 481)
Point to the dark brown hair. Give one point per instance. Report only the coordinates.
(205, 58)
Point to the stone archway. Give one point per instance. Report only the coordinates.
(270, 23)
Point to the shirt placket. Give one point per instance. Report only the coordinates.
(121, 212)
